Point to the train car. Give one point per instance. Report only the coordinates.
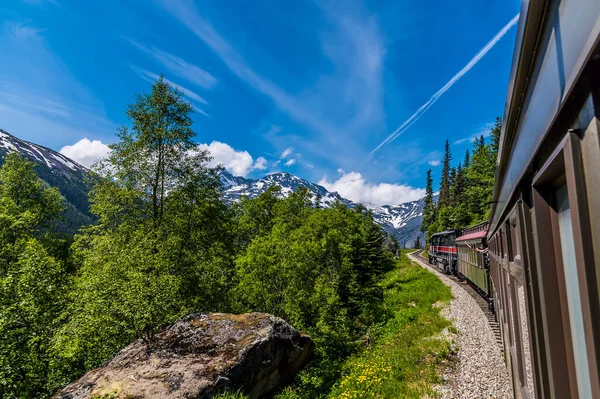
(544, 233)
(472, 261)
(442, 250)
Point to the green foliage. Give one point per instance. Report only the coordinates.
(32, 280)
(316, 268)
(161, 246)
(445, 183)
(480, 175)
(73, 186)
(406, 354)
(495, 135)
(230, 395)
(429, 204)
(465, 191)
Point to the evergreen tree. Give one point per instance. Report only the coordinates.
(444, 198)
(317, 268)
(480, 175)
(467, 160)
(460, 215)
(428, 206)
(495, 136)
(418, 242)
(451, 197)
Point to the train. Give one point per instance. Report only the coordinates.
(537, 258)
(464, 253)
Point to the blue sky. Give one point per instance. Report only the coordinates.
(314, 88)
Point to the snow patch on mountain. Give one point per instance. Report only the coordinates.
(53, 160)
(403, 220)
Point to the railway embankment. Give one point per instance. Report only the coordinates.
(478, 370)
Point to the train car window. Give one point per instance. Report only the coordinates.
(567, 245)
(501, 243)
(443, 241)
(509, 242)
(562, 225)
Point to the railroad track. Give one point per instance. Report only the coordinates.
(481, 301)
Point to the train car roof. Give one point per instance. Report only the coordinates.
(478, 235)
(444, 233)
(555, 39)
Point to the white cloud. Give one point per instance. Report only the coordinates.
(353, 186)
(415, 117)
(260, 163)
(286, 153)
(152, 78)
(351, 40)
(484, 131)
(178, 66)
(43, 101)
(290, 162)
(239, 163)
(86, 152)
(435, 162)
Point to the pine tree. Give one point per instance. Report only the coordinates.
(495, 135)
(467, 160)
(457, 188)
(418, 242)
(451, 198)
(429, 205)
(444, 199)
(480, 175)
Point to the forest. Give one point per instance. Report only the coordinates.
(164, 244)
(465, 192)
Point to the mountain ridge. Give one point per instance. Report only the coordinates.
(402, 220)
(71, 178)
(57, 170)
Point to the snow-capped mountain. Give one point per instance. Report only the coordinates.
(58, 171)
(237, 187)
(403, 221)
(40, 155)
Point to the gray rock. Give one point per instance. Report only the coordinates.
(199, 355)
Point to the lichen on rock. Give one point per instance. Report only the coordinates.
(200, 355)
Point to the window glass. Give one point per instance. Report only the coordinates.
(567, 246)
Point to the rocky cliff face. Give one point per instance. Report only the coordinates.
(200, 355)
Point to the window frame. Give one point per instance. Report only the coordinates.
(564, 167)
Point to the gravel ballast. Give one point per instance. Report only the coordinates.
(479, 370)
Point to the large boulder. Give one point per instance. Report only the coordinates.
(200, 355)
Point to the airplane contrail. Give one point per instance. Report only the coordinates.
(409, 122)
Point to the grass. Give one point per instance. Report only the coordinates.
(406, 358)
(405, 354)
(230, 395)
